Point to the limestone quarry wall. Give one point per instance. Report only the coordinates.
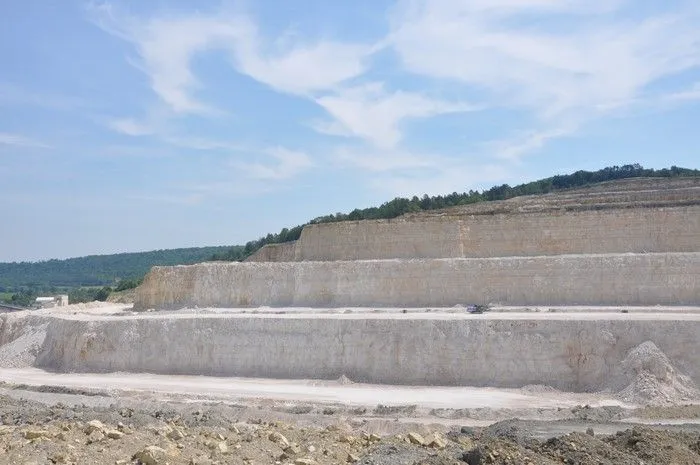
(285, 252)
(637, 230)
(579, 355)
(380, 239)
(611, 279)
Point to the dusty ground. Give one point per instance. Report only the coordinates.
(343, 391)
(93, 427)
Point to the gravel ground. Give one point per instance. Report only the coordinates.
(53, 425)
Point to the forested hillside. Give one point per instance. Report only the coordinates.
(95, 270)
(400, 206)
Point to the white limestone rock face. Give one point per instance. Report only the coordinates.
(284, 252)
(21, 339)
(570, 355)
(646, 360)
(633, 230)
(606, 279)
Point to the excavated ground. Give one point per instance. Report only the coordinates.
(50, 425)
(652, 415)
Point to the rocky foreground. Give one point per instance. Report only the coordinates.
(33, 433)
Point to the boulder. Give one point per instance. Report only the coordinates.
(35, 434)
(114, 434)
(279, 439)
(94, 425)
(416, 438)
(151, 455)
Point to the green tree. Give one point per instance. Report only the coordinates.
(103, 293)
(23, 298)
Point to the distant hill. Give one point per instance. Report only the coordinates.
(96, 270)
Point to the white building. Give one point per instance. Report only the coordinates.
(50, 302)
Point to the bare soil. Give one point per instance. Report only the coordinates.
(61, 426)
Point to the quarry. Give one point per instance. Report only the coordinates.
(365, 329)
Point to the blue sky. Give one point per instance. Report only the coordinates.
(133, 125)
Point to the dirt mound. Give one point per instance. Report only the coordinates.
(652, 446)
(507, 429)
(649, 377)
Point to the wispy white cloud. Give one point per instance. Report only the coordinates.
(594, 61)
(330, 128)
(166, 46)
(278, 164)
(157, 126)
(513, 147)
(372, 113)
(597, 60)
(285, 164)
(304, 69)
(686, 95)
(579, 61)
(131, 127)
(18, 140)
(235, 179)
